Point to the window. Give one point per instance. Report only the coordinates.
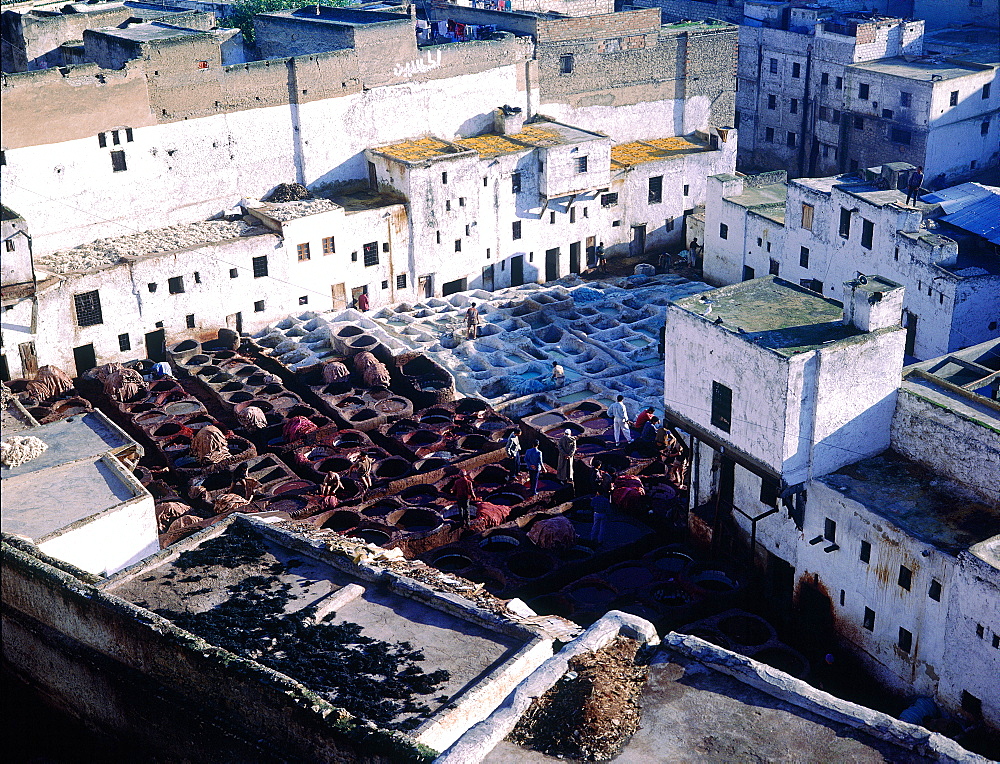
(175, 285)
(796, 70)
(980, 631)
(258, 306)
(572, 214)
(772, 267)
(447, 205)
(905, 579)
(748, 273)
(869, 622)
(552, 218)
(370, 253)
(124, 342)
(793, 106)
(687, 189)
(866, 552)
(769, 135)
(824, 79)
(859, 123)
(773, 66)
(118, 161)
(904, 98)
(233, 273)
(385, 284)
(260, 266)
(668, 224)
(835, 116)
(444, 178)
(515, 183)
(468, 232)
(984, 128)
(900, 136)
(328, 246)
(401, 281)
(986, 91)
(824, 114)
(304, 300)
(769, 492)
(830, 530)
(722, 406)
(566, 63)
(863, 91)
(102, 140)
(151, 286)
(115, 139)
(128, 134)
(486, 182)
(656, 189)
(616, 223)
(197, 277)
(887, 114)
(790, 140)
(814, 285)
(839, 83)
(189, 320)
(772, 102)
(995, 641)
(867, 233)
(845, 222)
(516, 229)
(609, 200)
(437, 239)
(581, 164)
(972, 704)
(953, 98)
(302, 250)
(905, 641)
(843, 597)
(737, 118)
(807, 216)
(461, 201)
(458, 245)
(723, 231)
(9, 245)
(88, 309)
(803, 257)
(934, 590)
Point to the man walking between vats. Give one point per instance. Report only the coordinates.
(513, 446)
(567, 450)
(365, 466)
(472, 321)
(533, 461)
(620, 415)
(465, 493)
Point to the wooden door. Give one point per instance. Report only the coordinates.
(339, 292)
(29, 360)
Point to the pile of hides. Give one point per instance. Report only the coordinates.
(627, 493)
(335, 371)
(553, 533)
(17, 450)
(297, 428)
(49, 382)
(169, 511)
(123, 384)
(210, 444)
(252, 418)
(488, 516)
(372, 371)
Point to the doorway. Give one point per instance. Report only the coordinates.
(910, 319)
(425, 285)
(552, 264)
(574, 257)
(356, 292)
(29, 360)
(488, 278)
(156, 346)
(591, 251)
(339, 294)
(517, 270)
(85, 358)
(372, 177)
(638, 245)
(234, 321)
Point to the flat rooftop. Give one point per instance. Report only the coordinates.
(323, 14)
(37, 504)
(921, 69)
(491, 145)
(104, 253)
(639, 152)
(773, 313)
(284, 212)
(767, 199)
(420, 150)
(917, 500)
(150, 31)
(206, 579)
(988, 551)
(69, 440)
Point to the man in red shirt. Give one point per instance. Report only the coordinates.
(465, 492)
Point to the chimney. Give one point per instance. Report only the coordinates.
(872, 302)
(508, 120)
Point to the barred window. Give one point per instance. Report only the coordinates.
(401, 281)
(88, 309)
(260, 266)
(371, 253)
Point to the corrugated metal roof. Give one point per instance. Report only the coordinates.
(955, 198)
(981, 217)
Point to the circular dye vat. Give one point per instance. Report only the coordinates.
(184, 347)
(430, 464)
(577, 553)
(291, 506)
(364, 415)
(198, 360)
(417, 520)
(528, 564)
(392, 468)
(745, 629)
(714, 581)
(592, 595)
(493, 425)
(435, 419)
(546, 420)
(505, 498)
(629, 577)
(672, 563)
(167, 430)
(349, 331)
(470, 406)
(341, 521)
(597, 423)
(500, 543)
(559, 429)
(335, 464)
(670, 595)
(591, 445)
(182, 407)
(419, 494)
(351, 401)
(474, 442)
(371, 536)
(421, 438)
(291, 486)
(392, 406)
(585, 408)
(451, 562)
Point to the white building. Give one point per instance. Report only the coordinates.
(792, 414)
(820, 232)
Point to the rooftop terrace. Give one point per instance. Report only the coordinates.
(773, 313)
(638, 152)
(150, 31)
(324, 14)
(921, 70)
(917, 500)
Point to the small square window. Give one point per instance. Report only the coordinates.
(486, 182)
(905, 641)
(258, 306)
(189, 320)
(808, 212)
(934, 590)
(869, 622)
(668, 225)
(175, 285)
(9, 245)
(385, 245)
(616, 223)
(370, 253)
(723, 231)
(304, 300)
(790, 140)
(887, 114)
(905, 579)
(609, 200)
(260, 266)
(748, 273)
(859, 123)
(769, 492)
(302, 251)
(328, 246)
(233, 273)
(461, 201)
(566, 64)
(401, 281)
(118, 161)
(995, 641)
(102, 140)
(900, 136)
(863, 91)
(581, 164)
(953, 98)
(385, 284)
(151, 286)
(458, 245)
(866, 552)
(124, 342)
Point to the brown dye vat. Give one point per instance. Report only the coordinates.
(220, 378)
(506, 498)
(241, 397)
(415, 520)
(271, 389)
(364, 415)
(421, 438)
(291, 485)
(528, 564)
(430, 464)
(140, 408)
(672, 563)
(350, 489)
(335, 464)
(435, 419)
(350, 331)
(182, 407)
(231, 387)
(207, 371)
(419, 494)
(474, 443)
(248, 370)
(302, 410)
(371, 536)
(382, 508)
(341, 521)
(451, 562)
(470, 406)
(629, 577)
(379, 393)
(352, 401)
(183, 347)
(392, 406)
(585, 408)
(745, 629)
(558, 430)
(198, 360)
(492, 476)
(392, 468)
(150, 419)
(167, 430)
(165, 384)
(493, 425)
